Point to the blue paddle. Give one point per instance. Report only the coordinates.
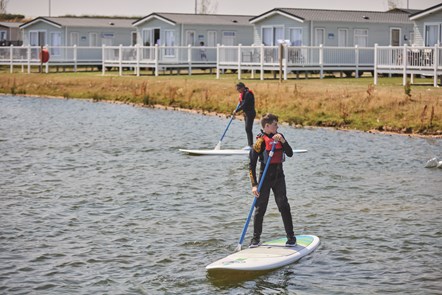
(218, 146)
(246, 225)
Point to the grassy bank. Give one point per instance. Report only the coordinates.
(334, 102)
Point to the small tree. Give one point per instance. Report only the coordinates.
(206, 7)
(3, 4)
(392, 4)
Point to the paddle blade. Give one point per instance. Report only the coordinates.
(218, 146)
(238, 248)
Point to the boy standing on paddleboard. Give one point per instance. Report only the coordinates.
(247, 105)
(274, 179)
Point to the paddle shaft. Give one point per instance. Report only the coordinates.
(261, 181)
(228, 125)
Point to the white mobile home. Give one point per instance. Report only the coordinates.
(181, 29)
(10, 34)
(428, 26)
(314, 27)
(87, 34)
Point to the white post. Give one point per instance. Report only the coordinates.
(435, 63)
(321, 61)
(156, 60)
(47, 63)
(375, 73)
(261, 57)
(404, 65)
(239, 61)
(75, 58)
(11, 55)
(286, 52)
(357, 61)
(189, 58)
(103, 59)
(137, 68)
(217, 61)
(120, 60)
(29, 59)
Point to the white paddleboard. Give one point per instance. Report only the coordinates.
(224, 152)
(269, 255)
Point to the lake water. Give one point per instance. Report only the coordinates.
(95, 198)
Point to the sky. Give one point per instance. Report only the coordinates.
(140, 8)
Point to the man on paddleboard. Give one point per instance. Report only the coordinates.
(274, 179)
(247, 105)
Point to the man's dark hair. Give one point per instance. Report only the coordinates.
(240, 85)
(268, 119)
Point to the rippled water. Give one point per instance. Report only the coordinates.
(95, 198)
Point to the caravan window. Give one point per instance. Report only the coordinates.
(271, 35)
(190, 38)
(361, 37)
(37, 38)
(3, 35)
(93, 39)
(433, 34)
(169, 42)
(74, 38)
(55, 43)
(296, 36)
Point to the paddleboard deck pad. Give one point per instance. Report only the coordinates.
(224, 152)
(269, 255)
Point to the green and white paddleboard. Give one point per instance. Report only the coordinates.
(269, 255)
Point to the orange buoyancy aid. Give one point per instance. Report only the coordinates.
(278, 153)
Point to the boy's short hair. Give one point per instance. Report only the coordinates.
(268, 119)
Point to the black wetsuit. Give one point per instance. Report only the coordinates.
(247, 105)
(274, 180)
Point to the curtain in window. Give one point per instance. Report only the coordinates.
(361, 38)
(279, 35)
(296, 37)
(56, 43)
(169, 42)
(431, 32)
(190, 38)
(267, 36)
